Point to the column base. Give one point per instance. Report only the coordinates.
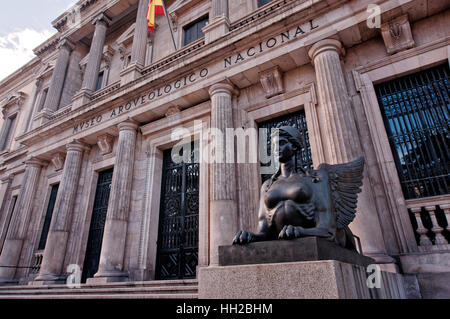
(131, 73)
(109, 276)
(80, 98)
(216, 29)
(8, 282)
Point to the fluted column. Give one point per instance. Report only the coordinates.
(340, 138)
(139, 48)
(219, 8)
(55, 249)
(95, 53)
(12, 247)
(219, 24)
(223, 204)
(58, 76)
(114, 238)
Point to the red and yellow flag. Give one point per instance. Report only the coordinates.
(154, 7)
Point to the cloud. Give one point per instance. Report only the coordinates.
(16, 48)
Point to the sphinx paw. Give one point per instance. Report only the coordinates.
(243, 237)
(290, 232)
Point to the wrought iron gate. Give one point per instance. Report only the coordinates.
(177, 256)
(303, 157)
(416, 113)
(97, 227)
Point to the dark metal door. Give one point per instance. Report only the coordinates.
(177, 256)
(48, 217)
(97, 227)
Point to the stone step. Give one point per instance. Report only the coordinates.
(105, 296)
(109, 290)
(153, 283)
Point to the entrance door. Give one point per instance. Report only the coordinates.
(97, 227)
(178, 222)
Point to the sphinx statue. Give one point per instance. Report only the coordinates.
(299, 203)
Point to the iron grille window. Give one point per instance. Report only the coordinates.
(48, 217)
(263, 2)
(193, 31)
(303, 157)
(415, 110)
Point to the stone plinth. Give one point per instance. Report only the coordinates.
(294, 269)
(278, 251)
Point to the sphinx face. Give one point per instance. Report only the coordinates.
(282, 148)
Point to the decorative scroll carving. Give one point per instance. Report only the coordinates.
(58, 161)
(272, 82)
(173, 110)
(105, 143)
(397, 35)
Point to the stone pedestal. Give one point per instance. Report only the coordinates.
(298, 270)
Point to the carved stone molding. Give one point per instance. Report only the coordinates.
(108, 53)
(397, 35)
(174, 21)
(272, 82)
(58, 161)
(105, 143)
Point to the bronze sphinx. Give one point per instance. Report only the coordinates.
(302, 203)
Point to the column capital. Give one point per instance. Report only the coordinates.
(128, 125)
(326, 45)
(35, 162)
(103, 19)
(223, 87)
(66, 44)
(77, 146)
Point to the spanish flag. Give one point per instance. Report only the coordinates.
(154, 7)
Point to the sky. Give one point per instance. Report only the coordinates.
(24, 25)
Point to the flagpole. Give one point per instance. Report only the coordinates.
(170, 27)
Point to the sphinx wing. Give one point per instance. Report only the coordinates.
(345, 181)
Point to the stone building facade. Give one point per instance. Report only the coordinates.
(85, 176)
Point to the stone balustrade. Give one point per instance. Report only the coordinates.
(431, 218)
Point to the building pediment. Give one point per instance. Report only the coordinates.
(13, 99)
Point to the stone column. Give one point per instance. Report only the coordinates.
(12, 247)
(220, 23)
(341, 142)
(114, 238)
(101, 23)
(55, 249)
(58, 76)
(223, 203)
(139, 49)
